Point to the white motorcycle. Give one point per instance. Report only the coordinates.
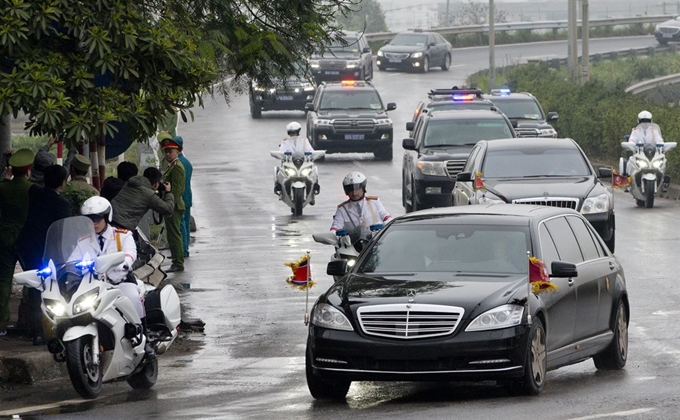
(344, 248)
(647, 169)
(297, 179)
(98, 330)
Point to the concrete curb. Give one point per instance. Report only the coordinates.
(27, 364)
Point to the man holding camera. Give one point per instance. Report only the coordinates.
(138, 196)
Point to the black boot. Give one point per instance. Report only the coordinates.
(149, 352)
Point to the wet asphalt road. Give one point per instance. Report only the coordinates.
(251, 360)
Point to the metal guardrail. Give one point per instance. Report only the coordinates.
(515, 26)
(653, 83)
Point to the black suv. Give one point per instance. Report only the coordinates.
(525, 113)
(452, 99)
(415, 50)
(287, 95)
(350, 117)
(347, 58)
(441, 143)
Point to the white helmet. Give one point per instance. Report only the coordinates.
(644, 116)
(97, 206)
(354, 181)
(293, 127)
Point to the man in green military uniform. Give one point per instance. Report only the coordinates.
(78, 189)
(176, 176)
(13, 212)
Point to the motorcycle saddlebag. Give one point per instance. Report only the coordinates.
(163, 313)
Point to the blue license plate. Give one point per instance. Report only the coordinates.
(332, 73)
(354, 136)
(395, 61)
(285, 98)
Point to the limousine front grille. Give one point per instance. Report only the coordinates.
(561, 202)
(409, 321)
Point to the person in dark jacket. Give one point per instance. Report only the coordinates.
(113, 184)
(138, 196)
(45, 206)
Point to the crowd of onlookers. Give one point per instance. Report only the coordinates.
(36, 191)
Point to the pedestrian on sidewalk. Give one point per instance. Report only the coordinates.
(13, 213)
(185, 226)
(45, 206)
(176, 176)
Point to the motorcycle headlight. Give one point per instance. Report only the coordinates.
(657, 164)
(432, 168)
(599, 204)
(86, 302)
(306, 171)
(641, 163)
(384, 122)
(380, 53)
(501, 317)
(417, 55)
(291, 172)
(326, 316)
(54, 307)
(353, 63)
(322, 122)
(314, 64)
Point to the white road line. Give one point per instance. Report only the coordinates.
(616, 414)
(24, 410)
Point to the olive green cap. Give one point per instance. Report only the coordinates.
(22, 158)
(81, 163)
(163, 135)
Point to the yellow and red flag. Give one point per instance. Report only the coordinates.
(302, 273)
(620, 181)
(539, 277)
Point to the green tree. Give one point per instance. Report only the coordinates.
(84, 66)
(366, 16)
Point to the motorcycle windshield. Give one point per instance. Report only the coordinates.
(70, 240)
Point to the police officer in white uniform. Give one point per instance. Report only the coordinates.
(112, 240)
(360, 212)
(294, 142)
(646, 132)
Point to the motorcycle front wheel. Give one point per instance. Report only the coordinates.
(298, 201)
(649, 193)
(86, 377)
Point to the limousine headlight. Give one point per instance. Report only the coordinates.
(599, 204)
(501, 317)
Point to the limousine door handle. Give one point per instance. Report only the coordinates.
(612, 266)
(570, 282)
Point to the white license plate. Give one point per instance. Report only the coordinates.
(285, 98)
(392, 60)
(354, 136)
(668, 35)
(332, 73)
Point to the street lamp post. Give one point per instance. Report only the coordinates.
(492, 45)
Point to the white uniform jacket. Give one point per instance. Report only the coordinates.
(116, 240)
(360, 215)
(295, 143)
(646, 133)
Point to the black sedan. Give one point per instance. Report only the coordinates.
(415, 50)
(444, 294)
(287, 95)
(668, 31)
(535, 171)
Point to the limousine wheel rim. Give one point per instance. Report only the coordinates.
(623, 333)
(538, 355)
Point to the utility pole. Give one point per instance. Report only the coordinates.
(448, 22)
(585, 39)
(572, 57)
(492, 46)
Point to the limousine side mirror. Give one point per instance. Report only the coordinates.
(561, 269)
(605, 172)
(464, 177)
(408, 144)
(367, 49)
(337, 268)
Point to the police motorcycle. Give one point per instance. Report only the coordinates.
(297, 178)
(98, 330)
(345, 249)
(647, 169)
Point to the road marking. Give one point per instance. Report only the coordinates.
(617, 414)
(665, 313)
(43, 407)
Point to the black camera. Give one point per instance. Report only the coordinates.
(163, 187)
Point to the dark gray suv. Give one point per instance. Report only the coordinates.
(347, 58)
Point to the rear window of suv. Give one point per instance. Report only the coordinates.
(350, 99)
(457, 132)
